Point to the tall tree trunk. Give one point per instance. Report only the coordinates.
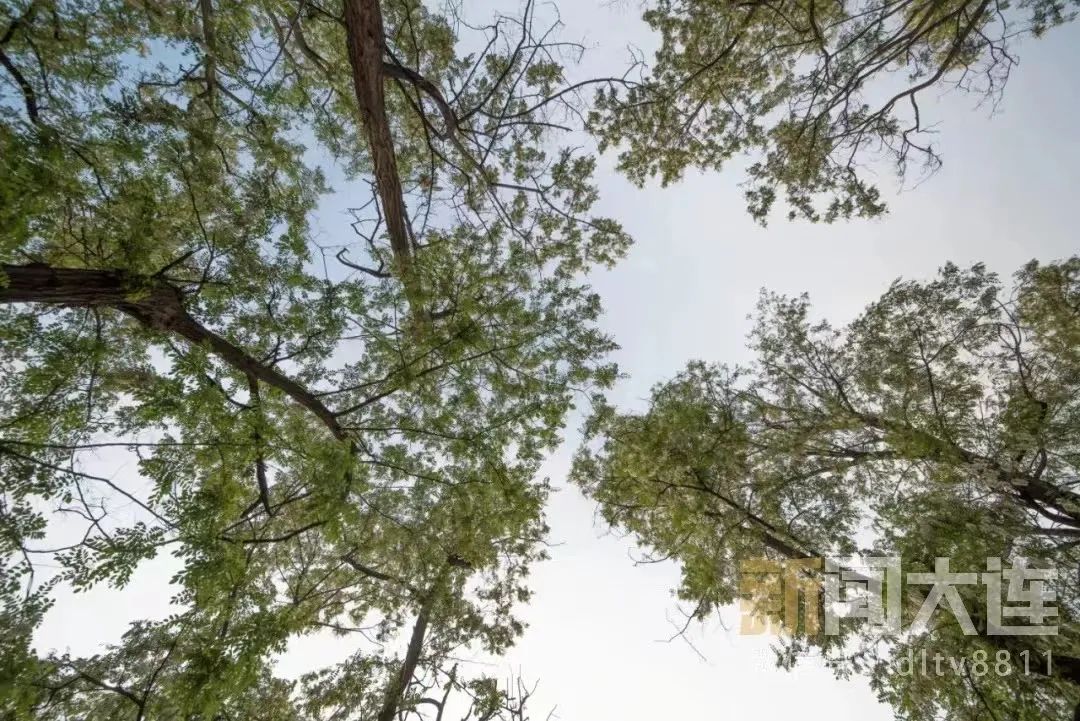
(399, 684)
(365, 40)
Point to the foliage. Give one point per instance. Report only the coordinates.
(814, 91)
(943, 421)
(336, 435)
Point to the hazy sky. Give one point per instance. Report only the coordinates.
(1008, 192)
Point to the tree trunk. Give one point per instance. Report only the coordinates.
(365, 42)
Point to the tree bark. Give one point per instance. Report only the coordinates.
(400, 683)
(365, 40)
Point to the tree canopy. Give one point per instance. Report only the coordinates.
(338, 435)
(817, 93)
(340, 429)
(942, 422)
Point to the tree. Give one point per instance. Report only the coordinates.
(943, 421)
(814, 91)
(339, 435)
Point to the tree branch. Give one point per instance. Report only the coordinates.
(154, 303)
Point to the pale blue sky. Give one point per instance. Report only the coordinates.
(1007, 193)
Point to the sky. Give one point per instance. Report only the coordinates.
(597, 642)
(1009, 191)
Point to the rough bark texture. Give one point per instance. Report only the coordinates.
(155, 304)
(365, 42)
